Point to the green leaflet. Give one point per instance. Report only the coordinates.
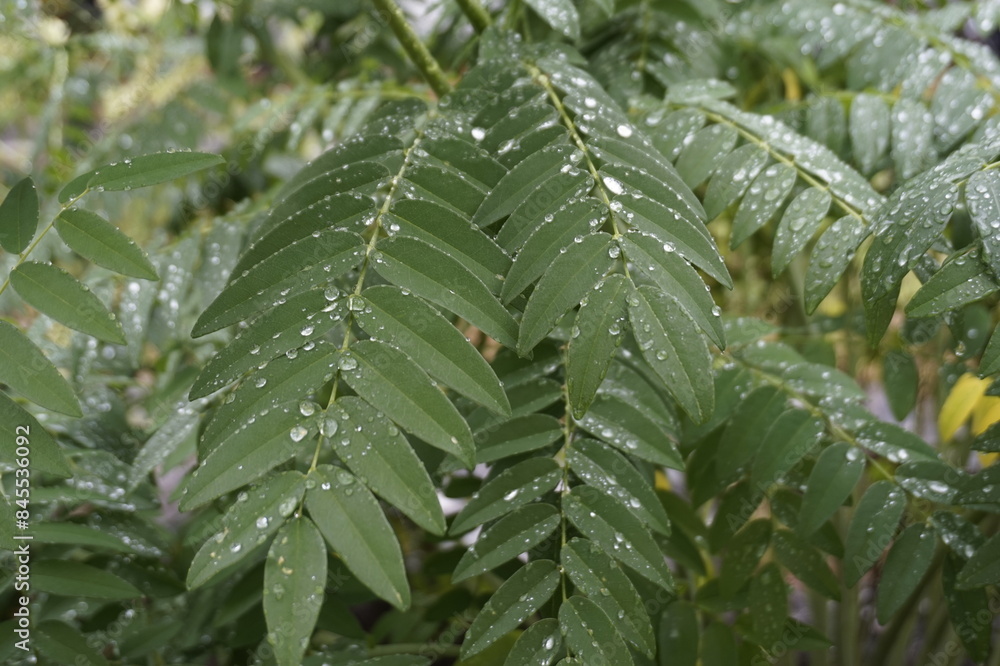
(763, 199)
(982, 197)
(912, 137)
(678, 634)
(598, 331)
(408, 323)
(73, 534)
(570, 277)
(63, 644)
(378, 453)
(674, 276)
(837, 470)
(801, 219)
(178, 428)
(515, 600)
(452, 234)
(514, 487)
(741, 556)
(93, 237)
(414, 265)
(523, 179)
(560, 14)
(518, 435)
(983, 568)
(602, 467)
(769, 604)
(909, 559)
(902, 381)
(748, 429)
(699, 158)
(673, 347)
(872, 528)
(518, 531)
(383, 375)
(733, 177)
(46, 455)
(19, 216)
(539, 645)
(142, 171)
(615, 529)
(247, 524)
(990, 363)
(252, 449)
(962, 280)
(831, 256)
(789, 438)
(599, 577)
(582, 621)
(351, 521)
(894, 442)
(25, 369)
(294, 585)
(58, 294)
(281, 330)
(76, 579)
(625, 426)
(552, 199)
(869, 127)
(805, 563)
(363, 148)
(965, 607)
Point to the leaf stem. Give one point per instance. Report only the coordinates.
(414, 47)
(476, 13)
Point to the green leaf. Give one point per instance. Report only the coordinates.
(831, 256)
(701, 156)
(518, 435)
(25, 369)
(768, 604)
(912, 137)
(615, 529)
(742, 554)
(733, 177)
(869, 130)
(385, 376)
(966, 609)
(560, 14)
(514, 487)
(294, 586)
(261, 443)
(19, 216)
(451, 233)
(558, 199)
(68, 578)
(515, 533)
(522, 180)
(74, 534)
(63, 644)
(281, 330)
(837, 470)
(297, 266)
(894, 442)
(598, 331)
(598, 465)
(599, 577)
(433, 342)
(763, 199)
(899, 372)
(247, 523)
(672, 345)
(906, 227)
(539, 645)
(94, 238)
(962, 280)
(983, 568)
(678, 635)
(177, 429)
(515, 601)
(789, 438)
(990, 362)
(414, 265)
(570, 277)
(908, 561)
(591, 634)
(748, 429)
(805, 563)
(982, 197)
(872, 527)
(674, 276)
(626, 427)
(58, 294)
(377, 452)
(351, 521)
(801, 219)
(142, 171)
(45, 455)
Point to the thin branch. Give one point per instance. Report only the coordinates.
(413, 46)
(476, 13)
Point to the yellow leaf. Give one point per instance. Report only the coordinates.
(985, 414)
(987, 459)
(793, 91)
(662, 482)
(960, 403)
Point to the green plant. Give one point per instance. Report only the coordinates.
(626, 279)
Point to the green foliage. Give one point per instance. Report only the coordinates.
(659, 296)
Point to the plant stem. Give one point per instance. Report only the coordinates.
(476, 13)
(414, 48)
